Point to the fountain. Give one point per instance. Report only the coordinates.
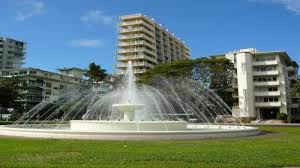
(131, 111)
(127, 111)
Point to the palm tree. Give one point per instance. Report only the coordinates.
(95, 73)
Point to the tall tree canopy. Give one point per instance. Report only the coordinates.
(11, 95)
(215, 73)
(8, 92)
(96, 73)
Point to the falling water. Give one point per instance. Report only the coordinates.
(167, 100)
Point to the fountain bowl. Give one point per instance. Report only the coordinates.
(108, 126)
(192, 132)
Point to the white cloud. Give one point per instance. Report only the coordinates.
(96, 17)
(29, 9)
(87, 43)
(291, 5)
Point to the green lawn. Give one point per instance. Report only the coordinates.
(279, 148)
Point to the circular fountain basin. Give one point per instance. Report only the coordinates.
(106, 126)
(193, 131)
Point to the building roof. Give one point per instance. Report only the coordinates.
(72, 68)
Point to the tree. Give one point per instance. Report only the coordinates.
(96, 73)
(295, 88)
(214, 73)
(10, 95)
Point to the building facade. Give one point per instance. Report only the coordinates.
(12, 53)
(42, 85)
(146, 43)
(261, 85)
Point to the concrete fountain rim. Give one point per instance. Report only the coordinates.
(195, 132)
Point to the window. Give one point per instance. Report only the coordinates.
(264, 68)
(48, 92)
(273, 89)
(266, 99)
(264, 78)
(48, 84)
(32, 72)
(264, 58)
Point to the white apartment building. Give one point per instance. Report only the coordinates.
(43, 85)
(12, 53)
(261, 83)
(146, 43)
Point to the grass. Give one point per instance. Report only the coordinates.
(279, 148)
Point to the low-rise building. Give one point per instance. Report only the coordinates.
(43, 85)
(261, 84)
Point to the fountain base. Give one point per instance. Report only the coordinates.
(108, 126)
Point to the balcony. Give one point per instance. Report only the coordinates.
(139, 29)
(135, 71)
(267, 62)
(137, 22)
(124, 51)
(267, 93)
(128, 44)
(294, 105)
(138, 71)
(131, 16)
(135, 64)
(136, 36)
(268, 104)
(264, 73)
(268, 83)
(135, 57)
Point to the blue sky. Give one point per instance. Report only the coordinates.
(68, 33)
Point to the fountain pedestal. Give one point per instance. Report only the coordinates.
(128, 110)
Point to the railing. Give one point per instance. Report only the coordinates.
(125, 37)
(122, 51)
(127, 23)
(268, 104)
(124, 65)
(267, 93)
(134, 71)
(131, 16)
(125, 44)
(266, 62)
(134, 57)
(268, 83)
(271, 72)
(136, 29)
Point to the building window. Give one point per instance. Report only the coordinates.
(48, 84)
(265, 58)
(48, 92)
(266, 99)
(264, 78)
(264, 68)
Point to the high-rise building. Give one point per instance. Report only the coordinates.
(261, 85)
(12, 53)
(146, 43)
